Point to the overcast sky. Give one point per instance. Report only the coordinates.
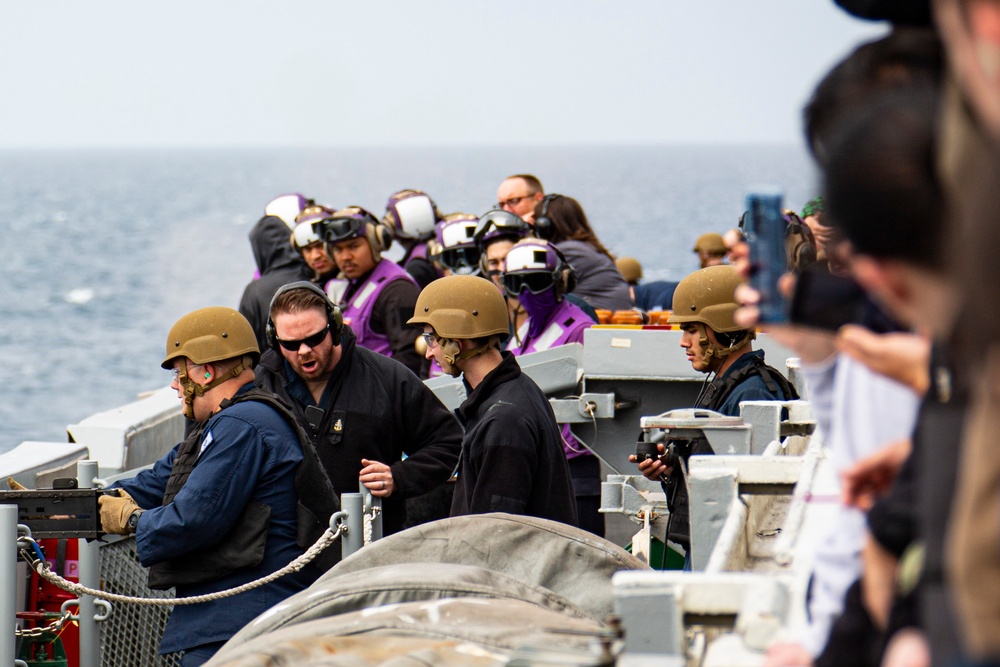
(392, 72)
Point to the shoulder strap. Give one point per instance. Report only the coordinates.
(184, 462)
(318, 500)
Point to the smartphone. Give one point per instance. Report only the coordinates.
(823, 300)
(765, 229)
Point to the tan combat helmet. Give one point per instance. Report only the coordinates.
(209, 335)
(706, 299)
(710, 243)
(462, 308)
(630, 268)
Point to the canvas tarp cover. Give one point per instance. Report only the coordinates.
(489, 561)
(450, 632)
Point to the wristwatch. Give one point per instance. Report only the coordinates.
(133, 520)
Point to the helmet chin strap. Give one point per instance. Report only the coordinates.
(193, 389)
(712, 351)
(452, 353)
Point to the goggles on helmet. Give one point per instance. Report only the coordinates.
(530, 264)
(498, 223)
(341, 229)
(463, 260)
(459, 253)
(536, 283)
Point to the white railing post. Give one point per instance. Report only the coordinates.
(8, 589)
(90, 576)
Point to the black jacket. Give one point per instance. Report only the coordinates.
(512, 454)
(278, 263)
(374, 408)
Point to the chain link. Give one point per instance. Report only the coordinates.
(53, 628)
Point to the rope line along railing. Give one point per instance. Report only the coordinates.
(33, 556)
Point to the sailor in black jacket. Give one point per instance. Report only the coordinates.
(364, 410)
(512, 456)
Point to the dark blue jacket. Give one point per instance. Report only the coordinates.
(249, 452)
(656, 295)
(752, 388)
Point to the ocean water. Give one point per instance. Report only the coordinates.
(104, 250)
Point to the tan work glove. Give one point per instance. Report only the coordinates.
(115, 512)
(14, 485)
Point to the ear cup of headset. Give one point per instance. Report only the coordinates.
(336, 319)
(383, 236)
(270, 336)
(484, 269)
(565, 273)
(568, 279)
(544, 227)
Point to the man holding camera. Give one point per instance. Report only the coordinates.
(703, 306)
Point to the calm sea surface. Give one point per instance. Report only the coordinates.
(103, 251)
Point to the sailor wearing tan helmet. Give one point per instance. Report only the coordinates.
(512, 457)
(711, 249)
(220, 509)
(703, 306)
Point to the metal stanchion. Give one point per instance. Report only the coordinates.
(90, 576)
(375, 504)
(8, 587)
(354, 538)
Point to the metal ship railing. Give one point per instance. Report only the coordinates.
(751, 552)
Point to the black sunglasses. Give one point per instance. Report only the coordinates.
(536, 283)
(309, 341)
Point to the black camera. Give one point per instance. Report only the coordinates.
(676, 446)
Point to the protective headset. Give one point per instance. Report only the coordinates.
(800, 244)
(333, 315)
(378, 233)
(544, 227)
(514, 229)
(566, 274)
(564, 277)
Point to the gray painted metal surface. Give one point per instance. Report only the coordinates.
(585, 409)
(90, 576)
(354, 538)
(713, 497)
(8, 582)
(132, 435)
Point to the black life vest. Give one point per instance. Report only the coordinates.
(718, 390)
(244, 545)
(712, 398)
